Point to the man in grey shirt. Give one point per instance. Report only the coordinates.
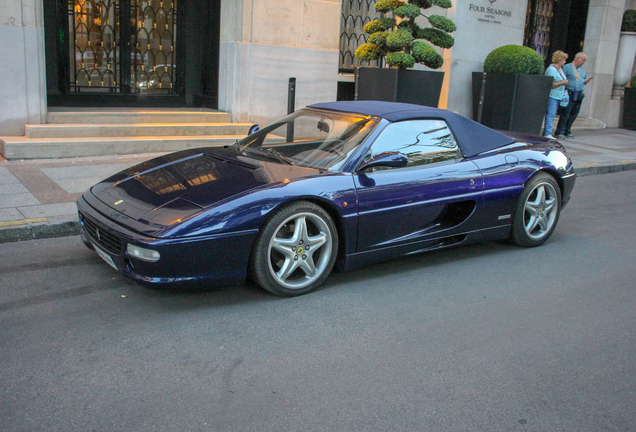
(577, 78)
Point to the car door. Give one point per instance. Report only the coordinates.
(433, 196)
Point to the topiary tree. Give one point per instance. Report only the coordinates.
(629, 21)
(514, 59)
(396, 36)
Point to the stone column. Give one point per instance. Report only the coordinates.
(601, 45)
(23, 73)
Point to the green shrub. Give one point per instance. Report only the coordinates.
(388, 5)
(629, 21)
(407, 11)
(514, 59)
(632, 82)
(445, 4)
(425, 53)
(398, 41)
(379, 38)
(379, 25)
(437, 37)
(400, 60)
(442, 23)
(369, 52)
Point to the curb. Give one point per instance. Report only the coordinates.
(71, 228)
(39, 231)
(597, 169)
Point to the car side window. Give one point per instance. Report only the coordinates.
(421, 141)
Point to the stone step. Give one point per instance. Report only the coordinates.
(134, 130)
(581, 124)
(15, 148)
(122, 115)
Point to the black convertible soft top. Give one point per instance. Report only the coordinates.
(473, 138)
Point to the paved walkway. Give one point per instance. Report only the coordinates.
(37, 197)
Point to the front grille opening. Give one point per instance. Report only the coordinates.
(101, 236)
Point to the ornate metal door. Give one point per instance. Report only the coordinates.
(108, 56)
(539, 21)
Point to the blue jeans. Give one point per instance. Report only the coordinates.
(569, 114)
(553, 106)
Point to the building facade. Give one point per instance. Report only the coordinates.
(238, 55)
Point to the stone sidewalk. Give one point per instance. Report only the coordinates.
(37, 197)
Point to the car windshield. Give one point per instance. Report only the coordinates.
(310, 138)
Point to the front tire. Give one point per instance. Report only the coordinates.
(295, 250)
(537, 211)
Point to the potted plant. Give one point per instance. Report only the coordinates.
(629, 105)
(626, 51)
(512, 92)
(400, 41)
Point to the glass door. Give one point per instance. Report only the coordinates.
(153, 54)
(107, 56)
(538, 32)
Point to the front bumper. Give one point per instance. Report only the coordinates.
(568, 184)
(212, 260)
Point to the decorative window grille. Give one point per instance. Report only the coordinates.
(355, 15)
(94, 44)
(539, 21)
(96, 29)
(153, 54)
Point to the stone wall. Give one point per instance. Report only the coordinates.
(22, 75)
(481, 27)
(264, 43)
(478, 33)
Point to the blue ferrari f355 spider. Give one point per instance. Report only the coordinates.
(341, 184)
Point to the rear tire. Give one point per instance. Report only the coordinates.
(537, 212)
(295, 250)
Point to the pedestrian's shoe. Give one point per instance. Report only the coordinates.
(549, 136)
(559, 136)
(569, 136)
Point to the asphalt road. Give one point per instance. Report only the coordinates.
(485, 337)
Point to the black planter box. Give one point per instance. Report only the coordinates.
(399, 85)
(515, 102)
(629, 109)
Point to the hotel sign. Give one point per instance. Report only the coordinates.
(489, 13)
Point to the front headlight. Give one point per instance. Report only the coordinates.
(142, 254)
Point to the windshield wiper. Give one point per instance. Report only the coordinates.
(281, 157)
(272, 154)
(236, 147)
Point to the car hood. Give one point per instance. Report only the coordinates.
(166, 190)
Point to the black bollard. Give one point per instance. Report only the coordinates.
(291, 104)
(480, 109)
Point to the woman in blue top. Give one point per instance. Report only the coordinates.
(558, 88)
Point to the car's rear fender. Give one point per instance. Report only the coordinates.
(520, 161)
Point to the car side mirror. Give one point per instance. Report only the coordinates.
(386, 159)
(252, 129)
